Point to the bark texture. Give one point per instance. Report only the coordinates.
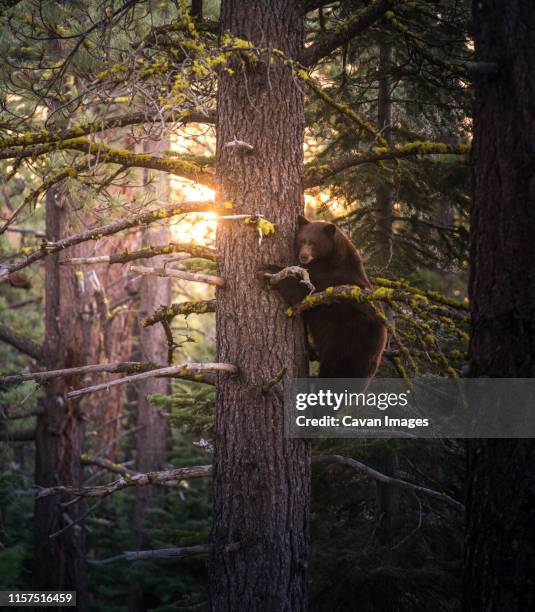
(60, 562)
(153, 436)
(500, 543)
(261, 480)
(384, 193)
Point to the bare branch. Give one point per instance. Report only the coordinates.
(26, 230)
(202, 471)
(162, 553)
(291, 272)
(21, 343)
(364, 19)
(97, 233)
(389, 480)
(118, 367)
(125, 482)
(194, 250)
(239, 145)
(178, 371)
(106, 464)
(209, 279)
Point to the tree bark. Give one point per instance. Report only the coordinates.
(153, 436)
(384, 193)
(59, 563)
(261, 480)
(500, 542)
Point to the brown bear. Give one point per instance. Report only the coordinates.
(348, 336)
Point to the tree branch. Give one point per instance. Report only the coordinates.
(202, 471)
(97, 233)
(125, 482)
(191, 169)
(21, 343)
(389, 480)
(194, 250)
(209, 279)
(359, 24)
(101, 125)
(167, 313)
(118, 367)
(317, 175)
(162, 553)
(191, 371)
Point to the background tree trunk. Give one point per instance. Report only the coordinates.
(384, 193)
(500, 543)
(60, 561)
(153, 436)
(261, 480)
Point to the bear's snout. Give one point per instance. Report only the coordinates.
(305, 255)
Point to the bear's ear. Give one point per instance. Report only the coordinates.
(329, 229)
(302, 221)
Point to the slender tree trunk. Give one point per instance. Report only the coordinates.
(261, 480)
(59, 562)
(500, 543)
(385, 191)
(153, 435)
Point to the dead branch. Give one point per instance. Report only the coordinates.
(21, 343)
(177, 371)
(162, 553)
(174, 247)
(239, 145)
(167, 313)
(208, 279)
(106, 464)
(26, 230)
(293, 272)
(202, 471)
(97, 233)
(389, 480)
(125, 482)
(118, 367)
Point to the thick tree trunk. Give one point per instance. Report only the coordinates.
(261, 480)
(500, 543)
(59, 562)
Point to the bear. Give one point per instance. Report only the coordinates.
(348, 336)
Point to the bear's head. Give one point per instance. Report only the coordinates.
(315, 240)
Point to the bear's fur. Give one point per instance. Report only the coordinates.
(348, 336)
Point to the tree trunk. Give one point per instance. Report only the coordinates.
(500, 543)
(384, 193)
(261, 480)
(59, 563)
(153, 436)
